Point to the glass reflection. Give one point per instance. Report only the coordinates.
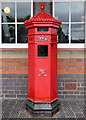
(63, 34)
(22, 34)
(77, 12)
(78, 33)
(62, 11)
(47, 5)
(8, 12)
(23, 11)
(8, 33)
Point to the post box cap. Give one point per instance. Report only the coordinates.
(42, 17)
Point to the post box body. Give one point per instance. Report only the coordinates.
(42, 64)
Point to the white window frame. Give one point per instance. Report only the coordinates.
(14, 45)
(71, 45)
(25, 45)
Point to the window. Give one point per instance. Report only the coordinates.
(63, 34)
(8, 12)
(62, 11)
(48, 7)
(22, 34)
(77, 33)
(8, 20)
(13, 33)
(8, 33)
(72, 30)
(23, 12)
(13, 15)
(77, 16)
(77, 12)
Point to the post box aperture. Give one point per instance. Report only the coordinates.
(42, 50)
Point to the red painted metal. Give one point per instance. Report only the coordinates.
(42, 71)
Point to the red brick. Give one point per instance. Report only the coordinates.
(61, 68)
(60, 60)
(67, 68)
(72, 72)
(23, 64)
(81, 72)
(67, 60)
(25, 68)
(79, 60)
(18, 59)
(72, 60)
(22, 72)
(73, 68)
(12, 72)
(6, 60)
(83, 68)
(62, 64)
(0, 60)
(12, 60)
(3, 64)
(1, 68)
(72, 64)
(83, 60)
(81, 64)
(85, 64)
(12, 68)
(12, 64)
(6, 68)
(18, 68)
(3, 71)
(79, 68)
(61, 72)
(25, 60)
(0, 63)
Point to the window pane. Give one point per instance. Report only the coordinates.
(22, 34)
(62, 11)
(8, 33)
(8, 12)
(47, 5)
(77, 12)
(77, 33)
(63, 34)
(23, 11)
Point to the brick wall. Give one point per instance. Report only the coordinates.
(15, 77)
(14, 66)
(20, 66)
(71, 66)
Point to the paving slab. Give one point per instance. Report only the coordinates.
(69, 110)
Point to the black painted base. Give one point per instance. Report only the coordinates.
(42, 109)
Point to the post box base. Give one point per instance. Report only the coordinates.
(42, 109)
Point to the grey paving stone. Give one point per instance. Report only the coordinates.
(79, 115)
(23, 115)
(68, 109)
(14, 113)
(7, 111)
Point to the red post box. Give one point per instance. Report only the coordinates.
(42, 64)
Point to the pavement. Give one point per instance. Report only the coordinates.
(69, 110)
